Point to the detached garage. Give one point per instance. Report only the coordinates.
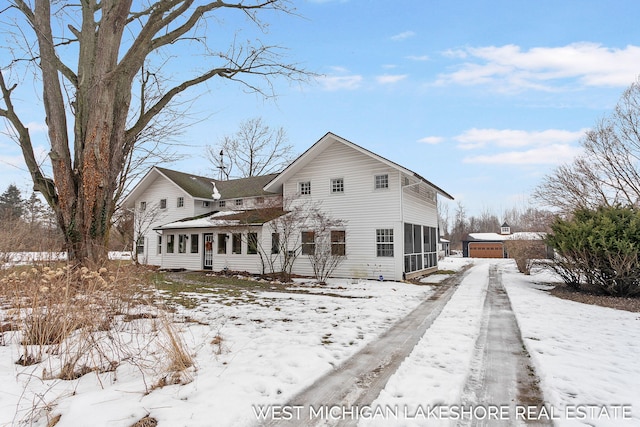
(485, 250)
(492, 245)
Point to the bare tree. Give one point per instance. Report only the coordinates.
(93, 58)
(329, 244)
(143, 217)
(444, 218)
(608, 173)
(460, 227)
(255, 149)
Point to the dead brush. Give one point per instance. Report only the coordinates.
(179, 364)
(71, 313)
(73, 321)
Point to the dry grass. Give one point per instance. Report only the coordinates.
(73, 321)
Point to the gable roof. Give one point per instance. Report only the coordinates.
(201, 187)
(328, 139)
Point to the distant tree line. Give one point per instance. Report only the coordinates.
(456, 227)
(27, 224)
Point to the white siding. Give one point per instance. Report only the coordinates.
(230, 261)
(417, 206)
(161, 188)
(187, 260)
(364, 208)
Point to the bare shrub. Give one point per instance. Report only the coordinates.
(525, 253)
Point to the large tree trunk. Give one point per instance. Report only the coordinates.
(85, 186)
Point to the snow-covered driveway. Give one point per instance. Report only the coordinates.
(585, 357)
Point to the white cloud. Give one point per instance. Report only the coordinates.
(431, 140)
(478, 138)
(346, 82)
(37, 127)
(403, 36)
(390, 78)
(512, 68)
(418, 57)
(549, 154)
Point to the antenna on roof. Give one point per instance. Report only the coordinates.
(221, 165)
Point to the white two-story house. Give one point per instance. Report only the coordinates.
(387, 215)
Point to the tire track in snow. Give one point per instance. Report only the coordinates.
(501, 373)
(359, 380)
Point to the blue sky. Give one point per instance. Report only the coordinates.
(483, 98)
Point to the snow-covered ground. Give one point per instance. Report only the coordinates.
(586, 357)
(273, 345)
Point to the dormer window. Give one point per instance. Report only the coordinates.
(238, 202)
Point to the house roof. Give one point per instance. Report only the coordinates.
(226, 219)
(328, 139)
(201, 187)
(495, 237)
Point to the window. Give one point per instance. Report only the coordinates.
(180, 202)
(159, 245)
(182, 243)
(382, 181)
(170, 241)
(222, 203)
(430, 236)
(384, 242)
(236, 243)
(140, 245)
(308, 243)
(238, 202)
(143, 206)
(222, 243)
(338, 243)
(163, 203)
(305, 187)
(205, 203)
(337, 185)
(413, 256)
(252, 243)
(194, 243)
(275, 243)
(259, 200)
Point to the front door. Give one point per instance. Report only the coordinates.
(208, 251)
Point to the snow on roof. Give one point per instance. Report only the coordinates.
(226, 219)
(521, 235)
(218, 219)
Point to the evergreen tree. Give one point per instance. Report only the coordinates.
(11, 204)
(34, 209)
(599, 248)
